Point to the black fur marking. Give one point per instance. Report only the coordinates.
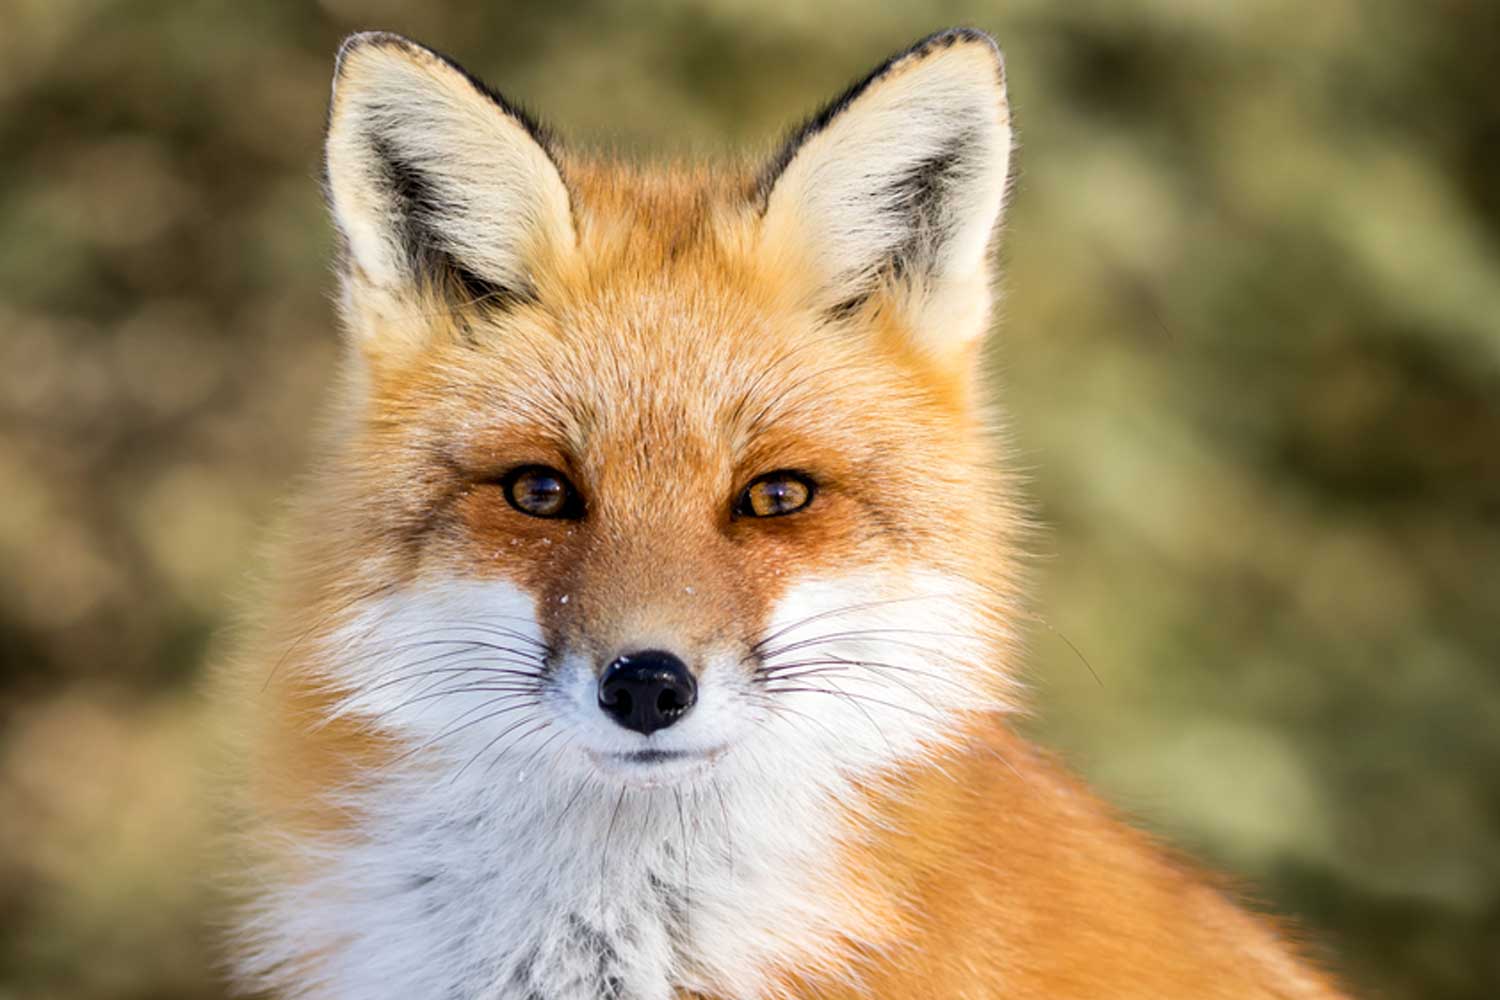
(610, 984)
(821, 120)
(419, 206)
(920, 194)
(674, 906)
(848, 307)
(521, 978)
(472, 289)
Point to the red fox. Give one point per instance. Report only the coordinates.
(649, 626)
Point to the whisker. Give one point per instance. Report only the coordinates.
(1007, 762)
(774, 670)
(519, 655)
(1070, 644)
(853, 699)
(455, 647)
(577, 792)
(451, 729)
(500, 754)
(323, 621)
(687, 871)
(780, 671)
(462, 666)
(433, 740)
(724, 818)
(856, 634)
(805, 669)
(842, 667)
(476, 688)
(849, 694)
(832, 612)
(531, 758)
(495, 675)
(604, 851)
(355, 639)
(500, 736)
(782, 710)
(514, 656)
(364, 691)
(443, 626)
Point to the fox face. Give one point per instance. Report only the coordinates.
(659, 520)
(696, 448)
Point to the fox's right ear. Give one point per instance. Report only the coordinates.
(435, 181)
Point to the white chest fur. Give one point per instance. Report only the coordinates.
(560, 894)
(499, 863)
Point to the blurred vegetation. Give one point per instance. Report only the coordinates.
(1251, 346)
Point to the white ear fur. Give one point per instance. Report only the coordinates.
(902, 180)
(428, 170)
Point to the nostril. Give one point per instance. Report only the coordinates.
(647, 691)
(673, 703)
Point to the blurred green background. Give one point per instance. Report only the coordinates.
(1251, 344)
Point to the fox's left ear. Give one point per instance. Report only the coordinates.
(899, 184)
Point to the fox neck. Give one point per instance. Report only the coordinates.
(502, 885)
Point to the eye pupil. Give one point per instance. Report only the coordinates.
(539, 492)
(775, 494)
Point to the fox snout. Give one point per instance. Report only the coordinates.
(647, 691)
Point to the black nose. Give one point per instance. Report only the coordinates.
(647, 691)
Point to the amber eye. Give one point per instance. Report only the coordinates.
(775, 494)
(539, 491)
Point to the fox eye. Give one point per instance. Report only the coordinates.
(539, 491)
(775, 494)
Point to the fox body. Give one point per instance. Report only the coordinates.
(648, 628)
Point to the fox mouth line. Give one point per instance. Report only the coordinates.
(654, 756)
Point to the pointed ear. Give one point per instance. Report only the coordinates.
(434, 180)
(898, 185)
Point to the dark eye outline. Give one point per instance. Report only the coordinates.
(744, 508)
(572, 505)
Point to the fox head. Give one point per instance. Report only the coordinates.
(641, 476)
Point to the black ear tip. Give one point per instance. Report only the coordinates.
(962, 35)
(959, 33)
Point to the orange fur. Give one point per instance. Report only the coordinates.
(1000, 875)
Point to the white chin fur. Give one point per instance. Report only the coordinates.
(520, 854)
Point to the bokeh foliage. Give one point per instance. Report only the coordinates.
(1251, 346)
